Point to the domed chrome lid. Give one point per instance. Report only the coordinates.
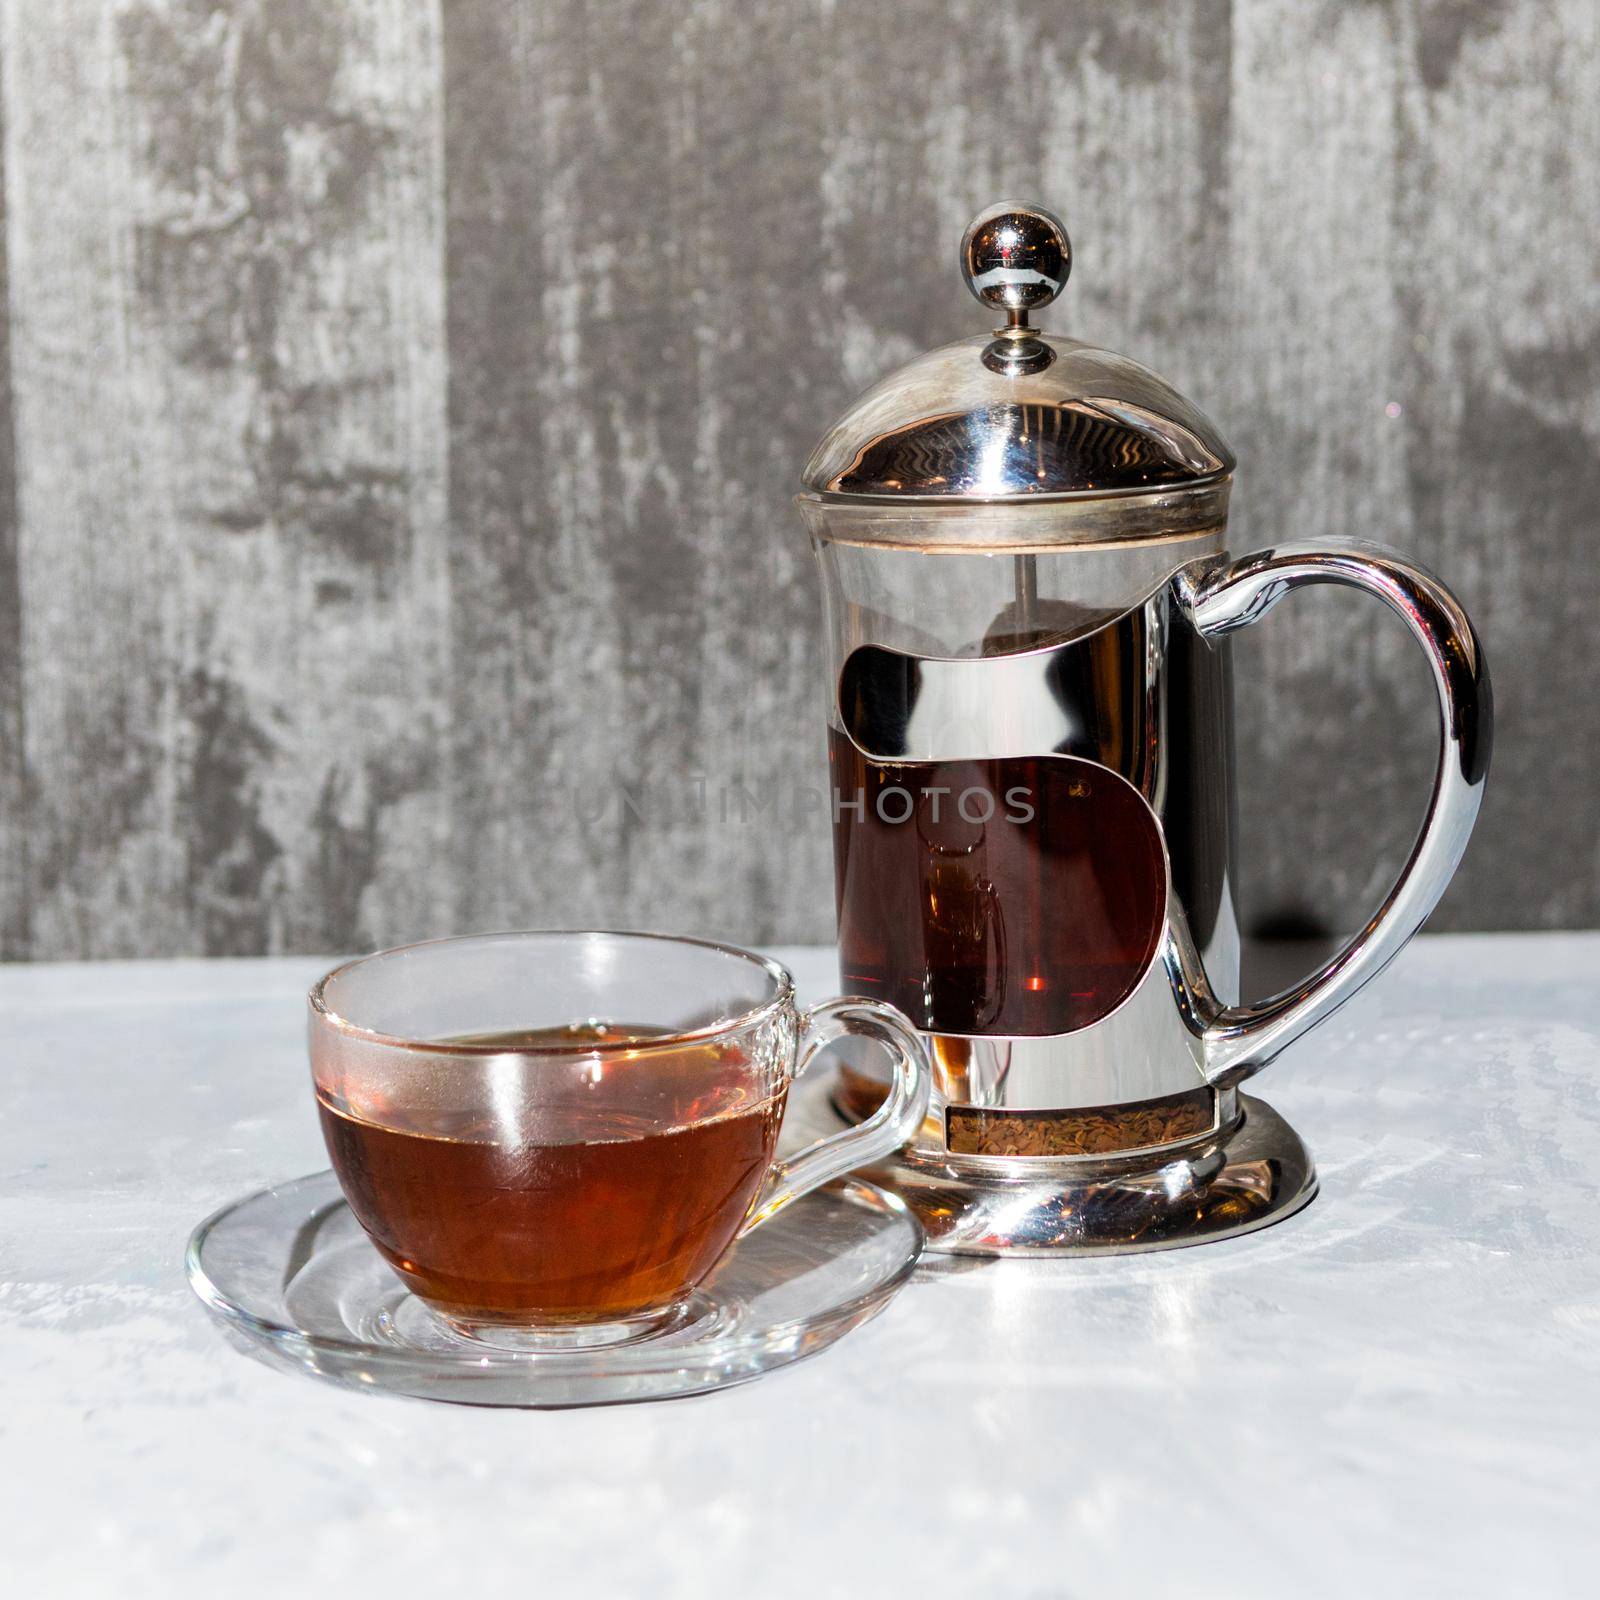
(1019, 413)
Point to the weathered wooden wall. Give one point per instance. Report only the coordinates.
(400, 406)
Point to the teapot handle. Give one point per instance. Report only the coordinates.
(1240, 1040)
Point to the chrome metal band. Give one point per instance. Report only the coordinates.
(1070, 699)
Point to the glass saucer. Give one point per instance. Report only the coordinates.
(293, 1278)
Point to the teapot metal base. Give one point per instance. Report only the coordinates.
(1257, 1173)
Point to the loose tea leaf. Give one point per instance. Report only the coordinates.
(1088, 1131)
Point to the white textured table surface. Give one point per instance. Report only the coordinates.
(1395, 1392)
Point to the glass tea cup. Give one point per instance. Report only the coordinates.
(553, 1137)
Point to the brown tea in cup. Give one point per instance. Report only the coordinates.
(581, 1210)
(569, 1184)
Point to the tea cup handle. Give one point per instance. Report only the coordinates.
(1240, 1040)
(884, 1132)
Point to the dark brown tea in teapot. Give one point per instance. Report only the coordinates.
(1011, 896)
(517, 1210)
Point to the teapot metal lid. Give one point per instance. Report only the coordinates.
(1019, 414)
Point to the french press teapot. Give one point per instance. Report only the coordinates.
(1028, 599)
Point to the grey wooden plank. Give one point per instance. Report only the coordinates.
(15, 941)
(575, 565)
(94, 559)
(1336, 734)
(1415, 198)
(228, 357)
(1499, 189)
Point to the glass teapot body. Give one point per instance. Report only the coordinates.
(1032, 796)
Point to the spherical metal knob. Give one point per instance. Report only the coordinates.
(1016, 257)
